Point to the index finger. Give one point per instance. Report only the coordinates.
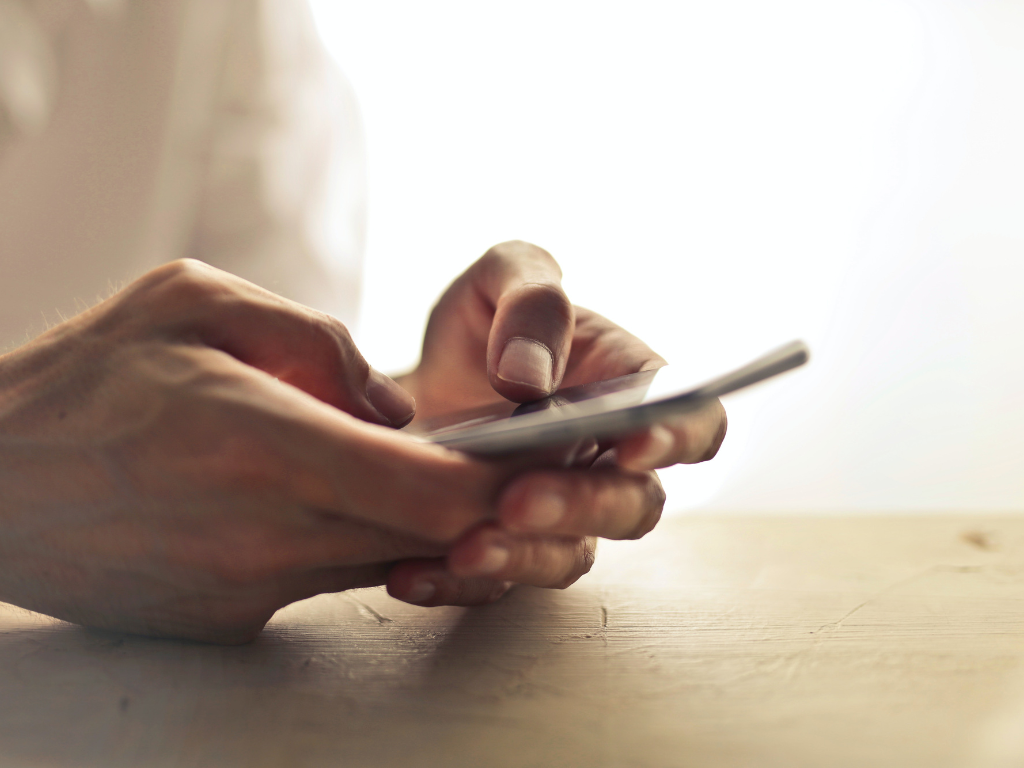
(295, 446)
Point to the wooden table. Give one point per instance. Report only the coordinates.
(729, 641)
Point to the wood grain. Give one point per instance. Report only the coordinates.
(731, 641)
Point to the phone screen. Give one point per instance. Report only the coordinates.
(620, 392)
(600, 410)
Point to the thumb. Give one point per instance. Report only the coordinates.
(532, 330)
(308, 349)
(315, 353)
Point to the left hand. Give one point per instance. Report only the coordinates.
(506, 329)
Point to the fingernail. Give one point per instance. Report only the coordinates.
(495, 558)
(391, 401)
(659, 445)
(544, 509)
(421, 592)
(525, 361)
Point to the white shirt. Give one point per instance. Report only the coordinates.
(133, 133)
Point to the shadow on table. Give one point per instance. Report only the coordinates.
(516, 648)
(372, 689)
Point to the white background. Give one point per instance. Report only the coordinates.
(720, 178)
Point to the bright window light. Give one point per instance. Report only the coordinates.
(720, 178)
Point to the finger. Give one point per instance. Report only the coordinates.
(428, 583)
(689, 438)
(539, 560)
(295, 446)
(603, 350)
(308, 349)
(532, 328)
(604, 501)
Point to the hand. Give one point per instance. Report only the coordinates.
(505, 328)
(176, 461)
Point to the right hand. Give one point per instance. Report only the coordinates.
(512, 299)
(195, 453)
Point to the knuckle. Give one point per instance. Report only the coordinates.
(160, 295)
(184, 282)
(508, 250)
(687, 443)
(181, 271)
(331, 327)
(550, 297)
(337, 347)
(347, 354)
(716, 443)
(495, 255)
(496, 260)
(583, 557)
(167, 271)
(692, 435)
(656, 493)
(590, 552)
(518, 251)
(180, 267)
(653, 501)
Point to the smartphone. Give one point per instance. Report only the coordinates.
(601, 410)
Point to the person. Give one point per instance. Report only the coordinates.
(194, 452)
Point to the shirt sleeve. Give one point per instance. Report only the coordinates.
(281, 196)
